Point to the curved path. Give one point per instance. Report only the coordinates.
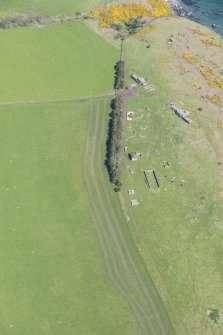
(126, 269)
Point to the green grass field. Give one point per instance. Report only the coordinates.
(178, 229)
(70, 261)
(54, 63)
(47, 7)
(53, 279)
(123, 261)
(62, 224)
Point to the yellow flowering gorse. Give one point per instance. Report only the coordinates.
(213, 42)
(201, 33)
(215, 99)
(121, 13)
(209, 74)
(190, 58)
(160, 8)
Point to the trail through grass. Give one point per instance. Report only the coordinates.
(52, 279)
(124, 264)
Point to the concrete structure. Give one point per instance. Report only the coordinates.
(134, 202)
(130, 192)
(134, 156)
(130, 116)
(183, 114)
(140, 80)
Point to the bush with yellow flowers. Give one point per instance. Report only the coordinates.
(219, 82)
(120, 13)
(190, 58)
(220, 124)
(213, 42)
(148, 29)
(201, 33)
(160, 8)
(209, 74)
(215, 99)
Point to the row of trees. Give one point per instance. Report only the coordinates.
(16, 21)
(26, 20)
(115, 143)
(134, 25)
(119, 75)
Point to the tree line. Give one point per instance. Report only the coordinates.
(27, 20)
(115, 143)
(119, 83)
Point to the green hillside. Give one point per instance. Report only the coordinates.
(177, 227)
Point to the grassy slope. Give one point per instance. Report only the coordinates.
(54, 63)
(179, 229)
(124, 264)
(53, 279)
(47, 7)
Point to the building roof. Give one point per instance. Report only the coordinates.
(134, 202)
(142, 80)
(134, 76)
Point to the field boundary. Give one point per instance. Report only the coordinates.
(32, 102)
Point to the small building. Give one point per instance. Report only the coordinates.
(186, 119)
(130, 116)
(171, 40)
(133, 76)
(134, 156)
(134, 202)
(140, 80)
(183, 114)
(166, 164)
(131, 192)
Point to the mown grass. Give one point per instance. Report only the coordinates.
(178, 230)
(47, 7)
(123, 262)
(53, 279)
(56, 62)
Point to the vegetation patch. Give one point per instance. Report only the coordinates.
(119, 75)
(214, 314)
(190, 58)
(122, 13)
(160, 8)
(200, 32)
(115, 145)
(210, 75)
(215, 99)
(213, 42)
